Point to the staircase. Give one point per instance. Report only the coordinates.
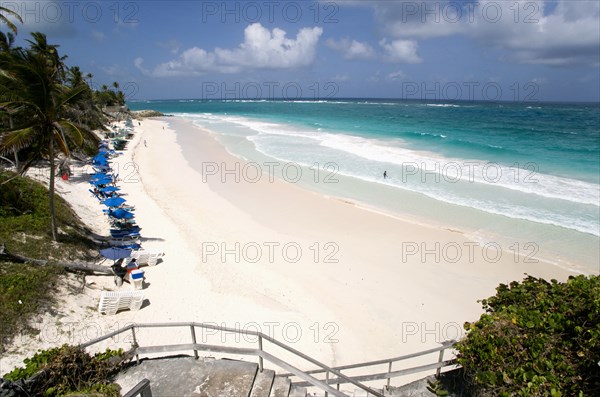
(267, 385)
(187, 376)
(209, 377)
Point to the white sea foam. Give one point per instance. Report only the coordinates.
(443, 105)
(535, 196)
(526, 178)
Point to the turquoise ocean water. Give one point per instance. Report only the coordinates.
(513, 173)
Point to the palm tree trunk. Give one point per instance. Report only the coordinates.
(51, 191)
(10, 122)
(17, 165)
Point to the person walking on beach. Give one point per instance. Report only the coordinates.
(384, 174)
(145, 143)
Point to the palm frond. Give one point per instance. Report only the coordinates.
(71, 95)
(17, 139)
(10, 25)
(73, 131)
(16, 104)
(60, 138)
(12, 13)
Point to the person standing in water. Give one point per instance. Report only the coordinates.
(384, 174)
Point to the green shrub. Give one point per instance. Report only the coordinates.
(537, 338)
(69, 369)
(27, 290)
(24, 293)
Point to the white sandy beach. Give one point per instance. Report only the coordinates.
(343, 290)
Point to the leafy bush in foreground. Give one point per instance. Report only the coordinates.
(68, 369)
(537, 338)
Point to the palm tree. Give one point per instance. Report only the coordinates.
(32, 85)
(86, 110)
(6, 45)
(6, 41)
(7, 21)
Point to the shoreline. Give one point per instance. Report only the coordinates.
(368, 305)
(302, 222)
(428, 223)
(518, 237)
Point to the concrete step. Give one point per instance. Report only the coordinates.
(188, 377)
(297, 391)
(226, 378)
(262, 383)
(281, 387)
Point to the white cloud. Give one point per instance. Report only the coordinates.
(418, 20)
(113, 70)
(557, 33)
(47, 16)
(400, 51)
(341, 77)
(98, 36)
(569, 35)
(539, 80)
(374, 78)
(352, 49)
(395, 51)
(261, 49)
(172, 45)
(138, 63)
(397, 75)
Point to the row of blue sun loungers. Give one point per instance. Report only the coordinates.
(124, 231)
(125, 238)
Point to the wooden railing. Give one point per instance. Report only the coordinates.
(371, 375)
(142, 389)
(333, 376)
(138, 349)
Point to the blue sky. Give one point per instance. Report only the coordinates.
(502, 50)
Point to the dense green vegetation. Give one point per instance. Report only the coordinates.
(109, 97)
(26, 290)
(47, 109)
(537, 338)
(47, 113)
(68, 369)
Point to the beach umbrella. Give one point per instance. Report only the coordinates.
(128, 228)
(133, 246)
(109, 189)
(114, 201)
(100, 159)
(115, 253)
(100, 177)
(120, 214)
(101, 182)
(125, 235)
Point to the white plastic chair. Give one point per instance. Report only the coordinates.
(113, 301)
(146, 257)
